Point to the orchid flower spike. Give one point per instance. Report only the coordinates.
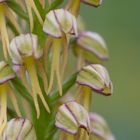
(25, 51)
(6, 74)
(59, 24)
(30, 4)
(6, 12)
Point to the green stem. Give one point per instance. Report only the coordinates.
(66, 86)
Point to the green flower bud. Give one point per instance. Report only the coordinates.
(97, 78)
(92, 47)
(99, 128)
(58, 22)
(19, 129)
(23, 46)
(94, 3)
(72, 116)
(6, 73)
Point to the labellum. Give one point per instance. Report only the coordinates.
(59, 24)
(26, 51)
(6, 12)
(31, 6)
(6, 74)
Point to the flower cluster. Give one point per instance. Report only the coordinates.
(39, 40)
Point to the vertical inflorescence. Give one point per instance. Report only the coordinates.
(39, 39)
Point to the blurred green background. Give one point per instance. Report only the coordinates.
(118, 21)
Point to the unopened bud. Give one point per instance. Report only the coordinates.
(97, 78)
(19, 129)
(72, 116)
(92, 46)
(99, 128)
(60, 21)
